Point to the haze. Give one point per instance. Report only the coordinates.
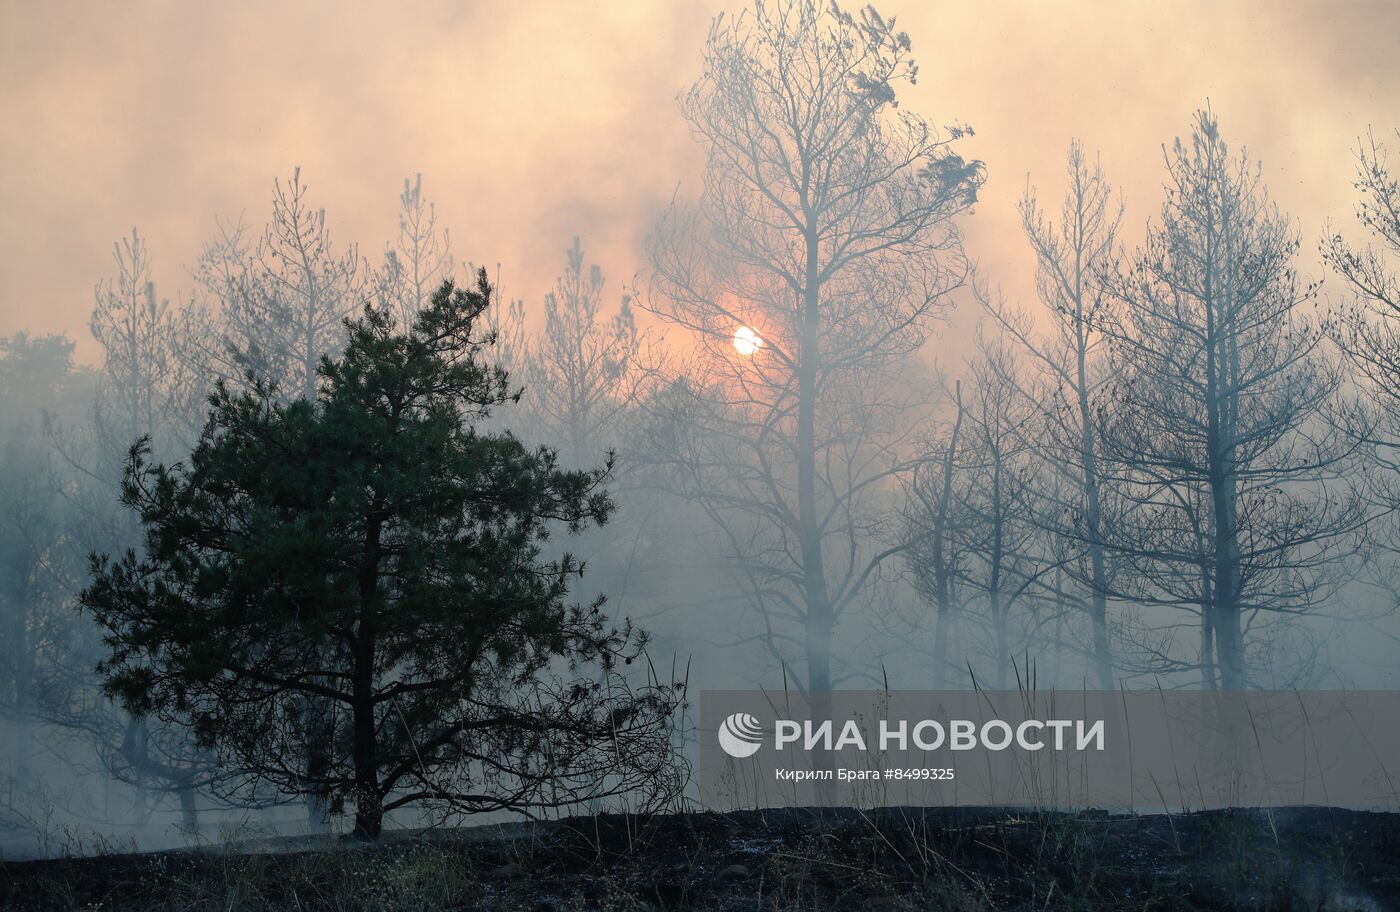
(532, 122)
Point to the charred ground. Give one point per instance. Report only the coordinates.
(892, 859)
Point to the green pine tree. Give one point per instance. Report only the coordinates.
(372, 554)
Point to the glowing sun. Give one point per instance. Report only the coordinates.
(746, 341)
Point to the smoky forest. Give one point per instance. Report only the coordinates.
(497, 389)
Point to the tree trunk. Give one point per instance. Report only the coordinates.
(318, 762)
(942, 628)
(1098, 615)
(1208, 675)
(995, 560)
(135, 745)
(1229, 646)
(189, 811)
(369, 802)
(819, 619)
(1093, 518)
(1003, 641)
(1225, 622)
(942, 561)
(1058, 669)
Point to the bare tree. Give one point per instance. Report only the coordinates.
(1232, 491)
(979, 547)
(820, 250)
(38, 629)
(1364, 327)
(932, 518)
(1065, 370)
(504, 320)
(272, 308)
(420, 258)
(146, 389)
(582, 367)
(1004, 560)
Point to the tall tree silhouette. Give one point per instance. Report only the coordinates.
(582, 366)
(1064, 375)
(371, 549)
(419, 259)
(1232, 501)
(824, 236)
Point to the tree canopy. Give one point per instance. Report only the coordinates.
(371, 555)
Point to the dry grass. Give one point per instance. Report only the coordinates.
(889, 860)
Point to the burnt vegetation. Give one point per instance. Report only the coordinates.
(352, 548)
(893, 859)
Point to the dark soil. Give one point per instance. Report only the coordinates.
(841, 860)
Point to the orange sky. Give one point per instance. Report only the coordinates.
(535, 121)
